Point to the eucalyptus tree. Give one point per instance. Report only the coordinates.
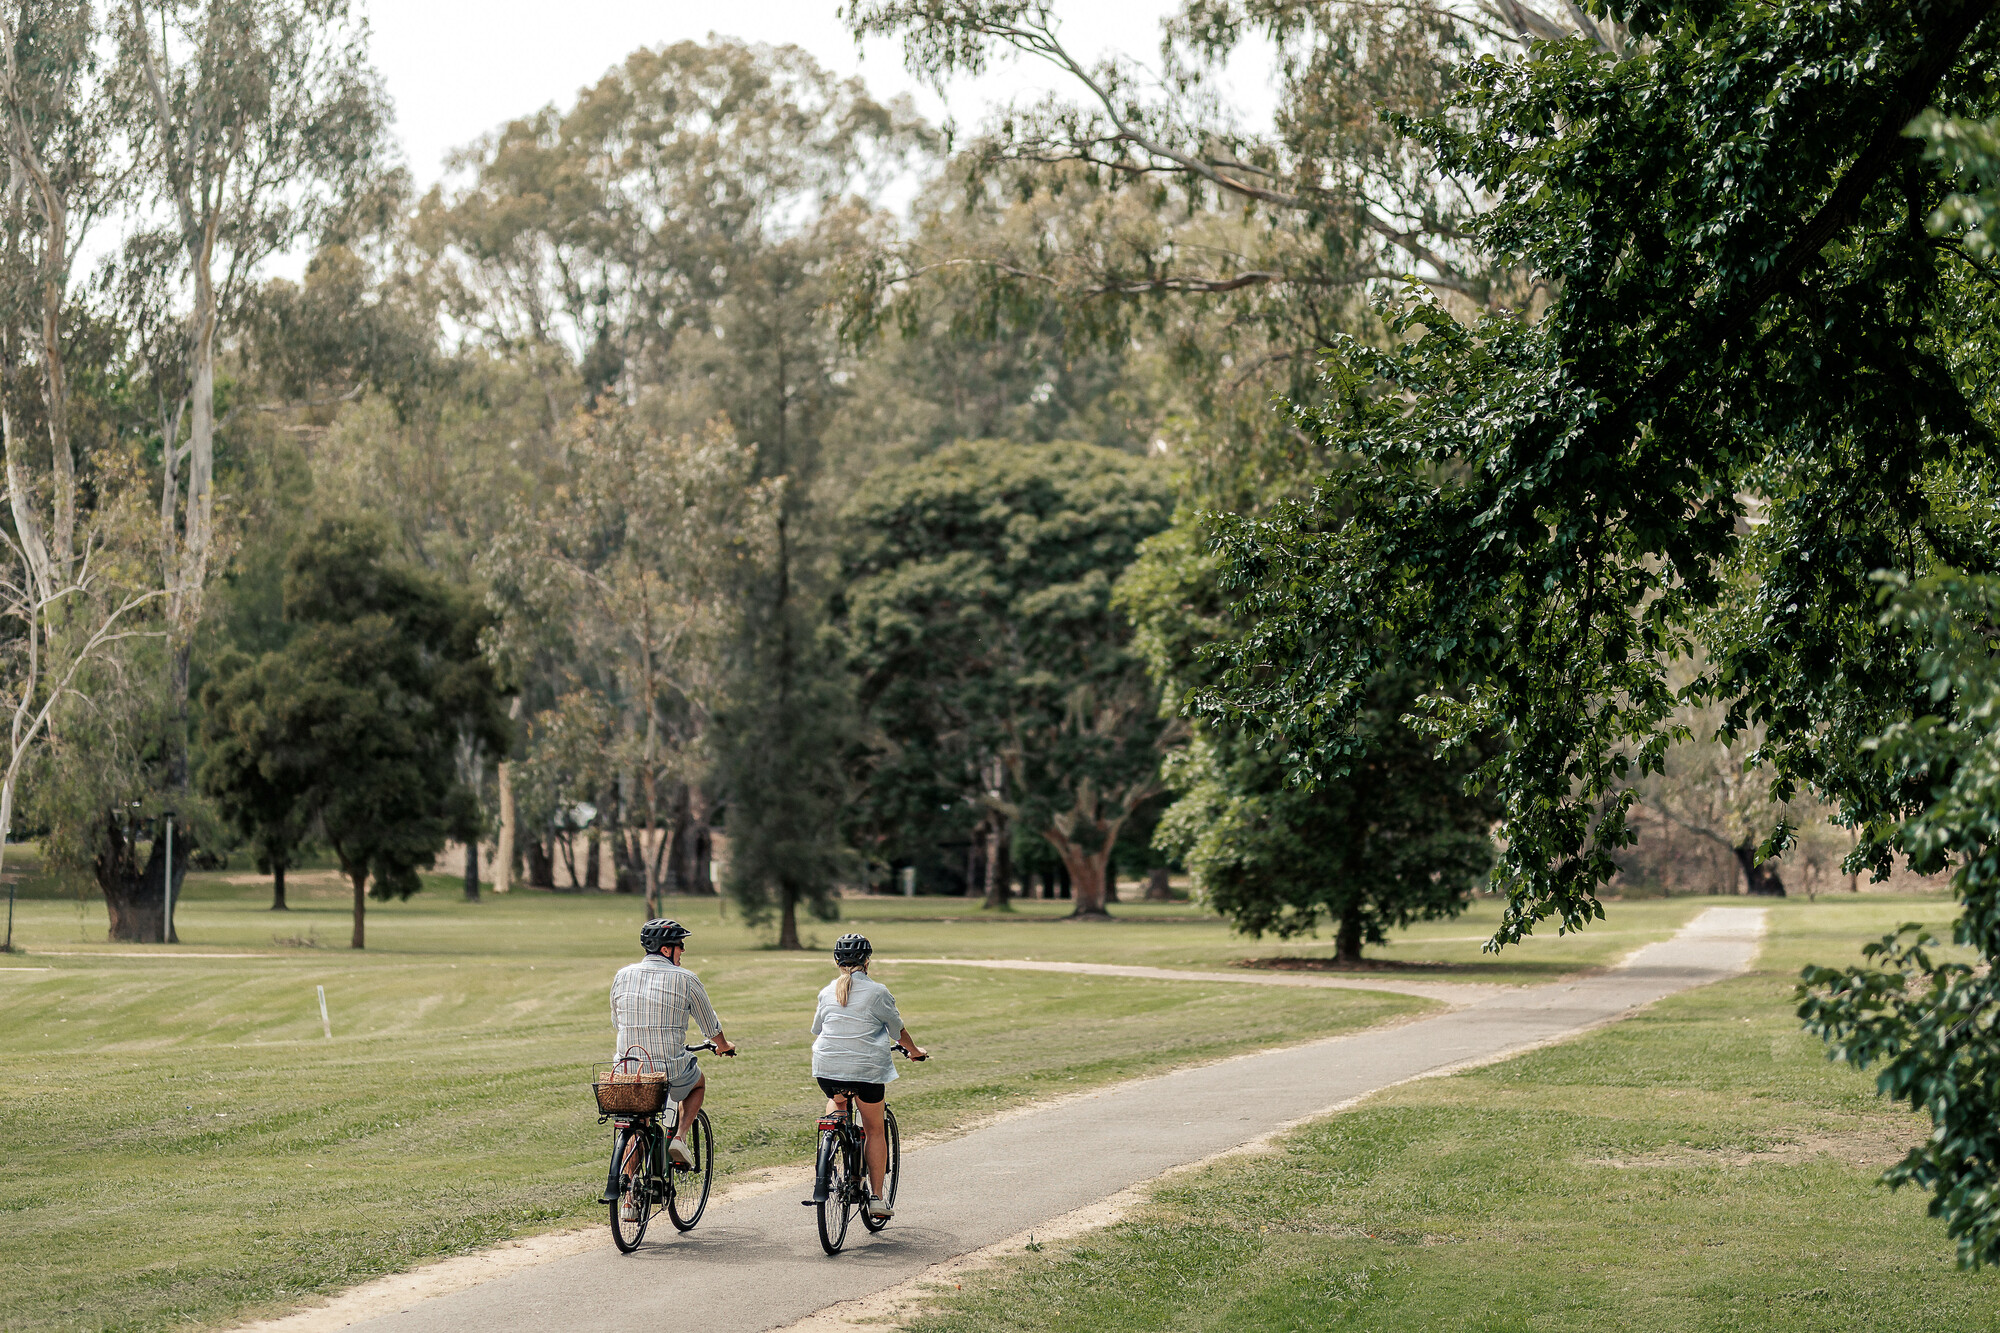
(259, 124)
(632, 560)
(1760, 381)
(674, 239)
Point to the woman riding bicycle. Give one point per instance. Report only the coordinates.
(854, 1052)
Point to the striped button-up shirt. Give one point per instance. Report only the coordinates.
(651, 1002)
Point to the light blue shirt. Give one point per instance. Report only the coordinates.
(856, 1040)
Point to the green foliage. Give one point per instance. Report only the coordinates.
(1395, 839)
(351, 731)
(1928, 1020)
(1759, 380)
(979, 623)
(1735, 408)
(1392, 838)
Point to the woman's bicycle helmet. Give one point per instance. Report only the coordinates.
(662, 934)
(851, 949)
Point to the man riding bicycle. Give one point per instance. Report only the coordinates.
(651, 1003)
(855, 1029)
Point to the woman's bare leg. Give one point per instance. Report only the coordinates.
(876, 1150)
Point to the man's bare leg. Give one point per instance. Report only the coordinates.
(691, 1107)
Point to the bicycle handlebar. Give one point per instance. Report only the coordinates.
(907, 1056)
(707, 1046)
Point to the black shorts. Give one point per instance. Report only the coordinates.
(840, 1087)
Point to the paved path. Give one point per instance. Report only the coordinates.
(1456, 993)
(755, 1263)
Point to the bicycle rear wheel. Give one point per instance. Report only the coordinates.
(891, 1172)
(837, 1204)
(634, 1184)
(687, 1187)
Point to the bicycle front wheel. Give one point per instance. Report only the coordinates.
(687, 1186)
(836, 1205)
(891, 1172)
(632, 1154)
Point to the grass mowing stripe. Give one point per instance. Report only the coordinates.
(184, 1146)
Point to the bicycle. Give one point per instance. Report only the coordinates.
(683, 1190)
(840, 1172)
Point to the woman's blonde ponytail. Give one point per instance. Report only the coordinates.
(846, 982)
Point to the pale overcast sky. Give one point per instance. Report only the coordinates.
(457, 68)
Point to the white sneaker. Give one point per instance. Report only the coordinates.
(678, 1153)
(880, 1208)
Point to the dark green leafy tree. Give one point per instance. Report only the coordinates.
(353, 729)
(244, 771)
(1757, 382)
(1397, 837)
(995, 673)
(1927, 1021)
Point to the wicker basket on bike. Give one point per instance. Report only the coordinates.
(630, 1085)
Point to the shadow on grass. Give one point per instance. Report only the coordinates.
(1416, 967)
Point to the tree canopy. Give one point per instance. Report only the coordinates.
(997, 677)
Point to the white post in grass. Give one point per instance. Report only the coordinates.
(324, 1021)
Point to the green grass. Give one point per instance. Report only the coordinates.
(183, 1145)
(1699, 1166)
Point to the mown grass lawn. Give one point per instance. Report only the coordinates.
(1697, 1167)
(183, 1146)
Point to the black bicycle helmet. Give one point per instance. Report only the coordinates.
(851, 949)
(662, 934)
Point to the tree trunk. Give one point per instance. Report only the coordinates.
(1063, 889)
(566, 844)
(1761, 879)
(663, 848)
(1158, 890)
(788, 921)
(541, 863)
(999, 864)
(360, 878)
(591, 875)
(1087, 874)
(626, 853)
(503, 855)
(472, 871)
(1110, 881)
(134, 898)
(702, 845)
(278, 887)
(1347, 943)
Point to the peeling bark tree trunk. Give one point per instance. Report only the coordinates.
(503, 855)
(278, 887)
